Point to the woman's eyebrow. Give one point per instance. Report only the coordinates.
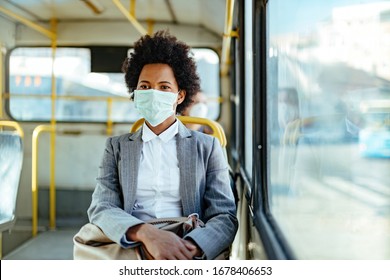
(165, 82)
(144, 81)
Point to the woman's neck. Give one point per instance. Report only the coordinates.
(162, 126)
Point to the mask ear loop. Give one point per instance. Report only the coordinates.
(131, 96)
(179, 97)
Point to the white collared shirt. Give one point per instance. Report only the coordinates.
(158, 193)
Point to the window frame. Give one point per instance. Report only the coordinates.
(274, 242)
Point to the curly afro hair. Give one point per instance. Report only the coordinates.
(166, 49)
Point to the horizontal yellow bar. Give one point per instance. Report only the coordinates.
(69, 97)
(88, 98)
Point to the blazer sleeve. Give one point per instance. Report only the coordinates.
(219, 209)
(106, 209)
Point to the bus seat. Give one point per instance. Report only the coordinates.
(217, 129)
(11, 159)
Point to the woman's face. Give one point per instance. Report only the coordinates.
(160, 76)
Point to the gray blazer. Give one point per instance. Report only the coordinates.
(204, 188)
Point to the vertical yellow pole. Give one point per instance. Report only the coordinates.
(225, 55)
(34, 174)
(150, 26)
(132, 8)
(34, 183)
(52, 190)
(109, 116)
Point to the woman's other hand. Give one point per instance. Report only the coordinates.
(163, 245)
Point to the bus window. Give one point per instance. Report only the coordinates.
(329, 159)
(82, 95)
(207, 62)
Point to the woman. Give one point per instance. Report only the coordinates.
(164, 169)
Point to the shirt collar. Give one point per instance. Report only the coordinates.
(165, 136)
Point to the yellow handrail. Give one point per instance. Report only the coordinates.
(29, 23)
(8, 95)
(132, 7)
(130, 17)
(224, 140)
(228, 34)
(34, 181)
(109, 116)
(13, 124)
(215, 127)
(69, 97)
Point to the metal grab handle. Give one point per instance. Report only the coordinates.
(34, 180)
(15, 125)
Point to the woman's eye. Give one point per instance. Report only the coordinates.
(165, 88)
(143, 87)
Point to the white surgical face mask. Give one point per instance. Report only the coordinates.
(154, 105)
(199, 110)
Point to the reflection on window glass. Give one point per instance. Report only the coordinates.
(328, 94)
(83, 95)
(208, 69)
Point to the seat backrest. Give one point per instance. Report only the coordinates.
(11, 158)
(217, 130)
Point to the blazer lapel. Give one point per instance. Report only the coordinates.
(131, 156)
(186, 154)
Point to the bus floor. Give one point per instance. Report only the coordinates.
(49, 245)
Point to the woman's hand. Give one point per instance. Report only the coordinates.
(161, 244)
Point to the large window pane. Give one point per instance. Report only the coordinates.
(83, 95)
(30, 85)
(328, 93)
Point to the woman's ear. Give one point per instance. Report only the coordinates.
(181, 96)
